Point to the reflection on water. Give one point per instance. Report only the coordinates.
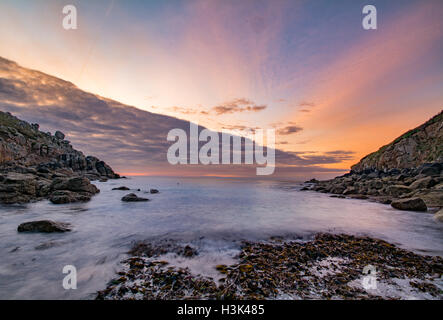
(209, 213)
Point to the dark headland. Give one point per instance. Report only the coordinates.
(37, 165)
(407, 173)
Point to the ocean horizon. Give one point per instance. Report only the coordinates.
(187, 211)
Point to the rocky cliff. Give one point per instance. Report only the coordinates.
(407, 173)
(36, 165)
(423, 144)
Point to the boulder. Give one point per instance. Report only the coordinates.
(43, 226)
(18, 187)
(397, 190)
(411, 204)
(76, 184)
(189, 252)
(423, 183)
(59, 135)
(66, 196)
(154, 191)
(439, 215)
(132, 197)
(121, 188)
(25, 183)
(432, 198)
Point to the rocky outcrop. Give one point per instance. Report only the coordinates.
(76, 184)
(132, 197)
(420, 145)
(388, 186)
(397, 174)
(22, 144)
(412, 204)
(46, 226)
(35, 165)
(65, 196)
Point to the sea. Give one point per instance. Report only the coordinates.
(213, 215)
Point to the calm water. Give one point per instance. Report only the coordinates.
(211, 214)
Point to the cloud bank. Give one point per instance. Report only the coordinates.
(129, 139)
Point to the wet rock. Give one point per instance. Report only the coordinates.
(47, 245)
(189, 252)
(132, 197)
(154, 191)
(65, 196)
(245, 268)
(43, 226)
(121, 188)
(359, 196)
(412, 204)
(222, 268)
(439, 215)
(76, 184)
(323, 268)
(68, 190)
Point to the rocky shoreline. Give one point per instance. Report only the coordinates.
(406, 173)
(36, 165)
(328, 267)
(417, 189)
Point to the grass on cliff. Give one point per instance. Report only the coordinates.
(408, 134)
(11, 122)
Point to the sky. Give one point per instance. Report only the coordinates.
(306, 68)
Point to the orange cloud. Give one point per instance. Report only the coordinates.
(355, 110)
